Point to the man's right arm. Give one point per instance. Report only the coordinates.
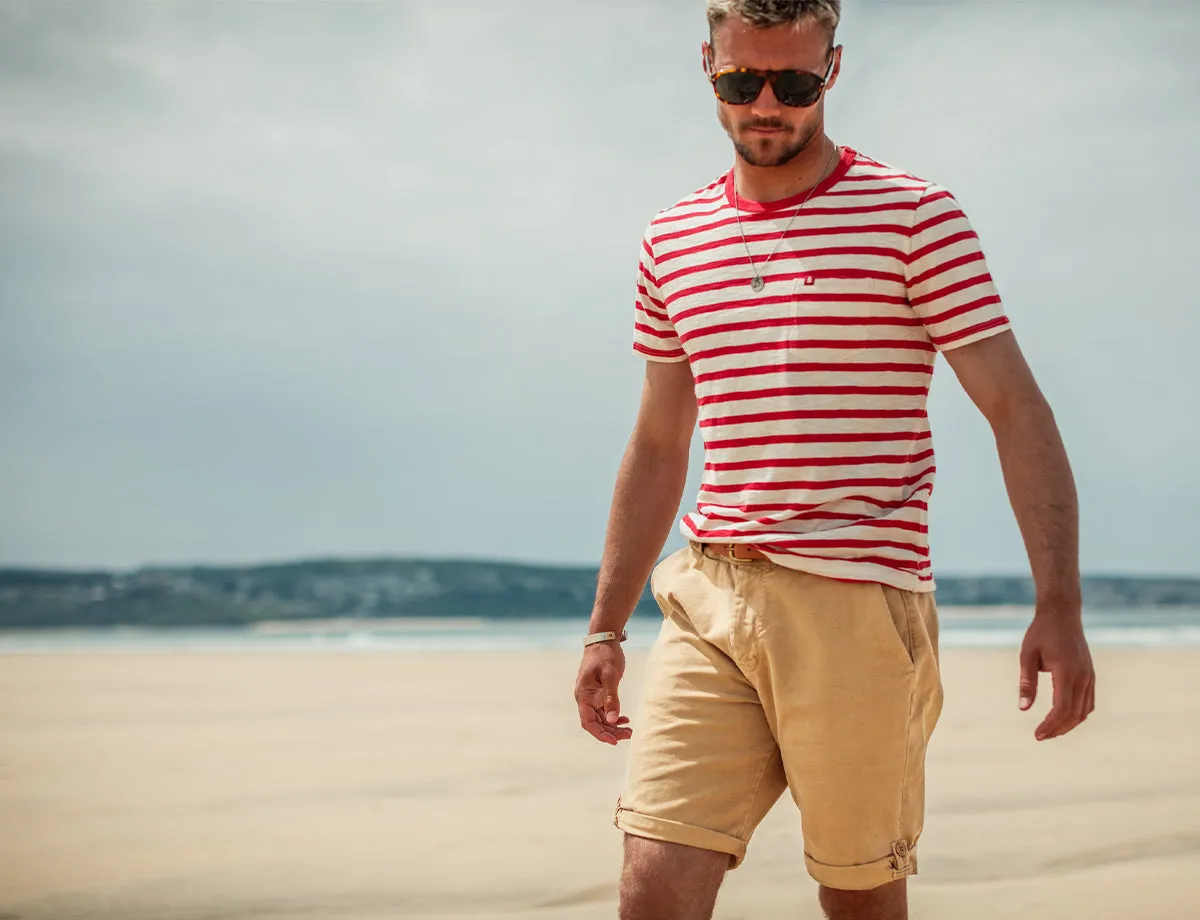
(649, 486)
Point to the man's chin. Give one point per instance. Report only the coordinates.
(767, 152)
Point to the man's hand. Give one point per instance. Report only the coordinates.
(1056, 643)
(600, 674)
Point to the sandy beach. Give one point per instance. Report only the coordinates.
(359, 786)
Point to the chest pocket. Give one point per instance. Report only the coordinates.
(804, 289)
(819, 302)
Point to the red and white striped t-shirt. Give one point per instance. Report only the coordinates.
(812, 392)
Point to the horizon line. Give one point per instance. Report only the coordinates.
(6, 568)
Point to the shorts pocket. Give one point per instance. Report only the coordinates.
(899, 620)
(664, 578)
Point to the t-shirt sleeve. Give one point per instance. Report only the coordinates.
(654, 335)
(949, 285)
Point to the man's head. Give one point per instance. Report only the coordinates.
(772, 35)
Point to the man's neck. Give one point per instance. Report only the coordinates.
(773, 183)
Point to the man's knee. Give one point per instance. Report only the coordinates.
(668, 881)
(887, 902)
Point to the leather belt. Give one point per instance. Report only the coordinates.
(739, 552)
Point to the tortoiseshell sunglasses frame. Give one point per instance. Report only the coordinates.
(767, 76)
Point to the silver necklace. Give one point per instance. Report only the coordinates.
(757, 283)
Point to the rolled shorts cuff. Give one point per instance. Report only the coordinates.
(901, 864)
(668, 831)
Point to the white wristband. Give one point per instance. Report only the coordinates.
(605, 637)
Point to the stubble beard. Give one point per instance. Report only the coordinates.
(756, 157)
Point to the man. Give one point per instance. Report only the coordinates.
(795, 306)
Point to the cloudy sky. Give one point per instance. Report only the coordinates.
(300, 279)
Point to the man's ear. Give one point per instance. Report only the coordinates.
(706, 58)
(835, 68)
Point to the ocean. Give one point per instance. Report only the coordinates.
(961, 627)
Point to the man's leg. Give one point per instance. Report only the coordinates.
(668, 881)
(887, 902)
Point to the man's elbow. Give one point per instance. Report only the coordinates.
(1018, 408)
(662, 452)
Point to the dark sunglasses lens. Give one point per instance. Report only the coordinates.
(797, 88)
(738, 88)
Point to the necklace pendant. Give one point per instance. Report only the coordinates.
(757, 284)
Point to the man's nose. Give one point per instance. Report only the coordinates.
(766, 104)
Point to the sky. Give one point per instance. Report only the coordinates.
(305, 279)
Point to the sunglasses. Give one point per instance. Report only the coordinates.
(796, 88)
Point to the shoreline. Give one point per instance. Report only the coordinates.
(961, 627)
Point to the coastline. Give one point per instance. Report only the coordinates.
(961, 627)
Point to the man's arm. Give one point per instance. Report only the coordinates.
(649, 486)
(1041, 490)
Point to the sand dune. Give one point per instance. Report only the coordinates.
(360, 786)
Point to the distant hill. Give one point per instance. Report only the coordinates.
(229, 596)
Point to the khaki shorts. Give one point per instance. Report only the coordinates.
(764, 679)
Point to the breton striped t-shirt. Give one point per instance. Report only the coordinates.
(812, 392)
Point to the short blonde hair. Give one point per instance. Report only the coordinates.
(762, 14)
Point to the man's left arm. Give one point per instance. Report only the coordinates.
(1041, 489)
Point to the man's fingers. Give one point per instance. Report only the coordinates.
(1027, 686)
(1085, 702)
(590, 716)
(595, 726)
(1074, 699)
(612, 707)
(594, 720)
(1085, 696)
(1060, 710)
(1072, 713)
(618, 729)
